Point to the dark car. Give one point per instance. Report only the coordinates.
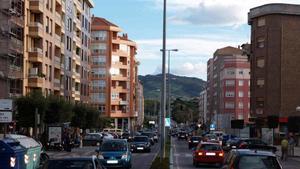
(115, 154)
(194, 141)
(141, 143)
(253, 143)
(74, 163)
(182, 135)
(231, 144)
(249, 159)
(92, 139)
(150, 135)
(126, 136)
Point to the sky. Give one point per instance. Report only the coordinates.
(197, 28)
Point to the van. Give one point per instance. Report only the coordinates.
(113, 130)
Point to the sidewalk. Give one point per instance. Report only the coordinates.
(296, 153)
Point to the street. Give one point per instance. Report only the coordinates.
(182, 156)
(139, 160)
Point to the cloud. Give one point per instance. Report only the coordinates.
(213, 12)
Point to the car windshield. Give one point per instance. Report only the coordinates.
(113, 146)
(147, 134)
(140, 139)
(69, 164)
(258, 162)
(210, 147)
(196, 138)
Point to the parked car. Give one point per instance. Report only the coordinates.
(140, 143)
(254, 143)
(113, 130)
(208, 153)
(126, 136)
(194, 141)
(92, 139)
(231, 144)
(182, 135)
(74, 163)
(155, 137)
(150, 135)
(107, 136)
(115, 154)
(249, 159)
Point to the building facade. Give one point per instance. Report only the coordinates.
(11, 48)
(114, 73)
(275, 60)
(140, 104)
(228, 87)
(56, 52)
(203, 107)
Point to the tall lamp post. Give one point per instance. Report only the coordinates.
(163, 87)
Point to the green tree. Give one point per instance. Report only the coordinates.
(79, 117)
(26, 106)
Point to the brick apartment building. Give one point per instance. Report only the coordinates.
(228, 82)
(114, 73)
(275, 51)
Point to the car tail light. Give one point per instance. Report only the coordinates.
(200, 153)
(243, 145)
(221, 154)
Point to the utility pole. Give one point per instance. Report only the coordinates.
(163, 88)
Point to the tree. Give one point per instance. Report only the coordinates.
(79, 117)
(185, 110)
(26, 107)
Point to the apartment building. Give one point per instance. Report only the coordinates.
(140, 104)
(228, 87)
(11, 48)
(54, 47)
(275, 61)
(113, 73)
(203, 107)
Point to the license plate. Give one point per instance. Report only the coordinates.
(112, 161)
(210, 154)
(182, 136)
(140, 148)
(195, 141)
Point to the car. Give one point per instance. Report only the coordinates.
(115, 154)
(208, 153)
(254, 143)
(194, 141)
(140, 143)
(107, 136)
(231, 144)
(211, 137)
(74, 163)
(92, 139)
(150, 135)
(127, 136)
(113, 130)
(155, 137)
(182, 135)
(249, 159)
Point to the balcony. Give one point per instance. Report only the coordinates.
(123, 102)
(78, 4)
(36, 29)
(77, 40)
(77, 94)
(36, 55)
(119, 78)
(58, 17)
(36, 6)
(120, 65)
(120, 53)
(57, 40)
(62, 66)
(77, 22)
(35, 78)
(56, 84)
(57, 62)
(120, 89)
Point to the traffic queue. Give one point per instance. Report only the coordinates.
(228, 151)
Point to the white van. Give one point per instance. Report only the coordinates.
(113, 130)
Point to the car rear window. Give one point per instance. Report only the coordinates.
(210, 147)
(258, 162)
(140, 139)
(196, 138)
(69, 164)
(113, 146)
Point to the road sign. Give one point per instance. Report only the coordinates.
(212, 127)
(167, 122)
(5, 104)
(5, 117)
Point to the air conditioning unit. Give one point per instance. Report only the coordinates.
(12, 11)
(33, 71)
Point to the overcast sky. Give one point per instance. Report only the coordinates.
(195, 27)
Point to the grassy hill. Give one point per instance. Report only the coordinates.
(181, 86)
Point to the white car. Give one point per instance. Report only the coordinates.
(107, 136)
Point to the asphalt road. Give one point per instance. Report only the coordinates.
(139, 160)
(182, 156)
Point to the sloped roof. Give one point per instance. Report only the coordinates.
(228, 51)
(102, 22)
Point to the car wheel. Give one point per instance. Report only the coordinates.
(195, 164)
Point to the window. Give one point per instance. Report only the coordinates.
(50, 29)
(99, 35)
(47, 24)
(115, 96)
(98, 84)
(98, 72)
(98, 97)
(249, 94)
(260, 62)
(47, 48)
(261, 22)
(241, 94)
(229, 105)
(241, 82)
(260, 83)
(229, 94)
(230, 71)
(261, 42)
(241, 105)
(240, 116)
(99, 60)
(115, 59)
(229, 83)
(241, 72)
